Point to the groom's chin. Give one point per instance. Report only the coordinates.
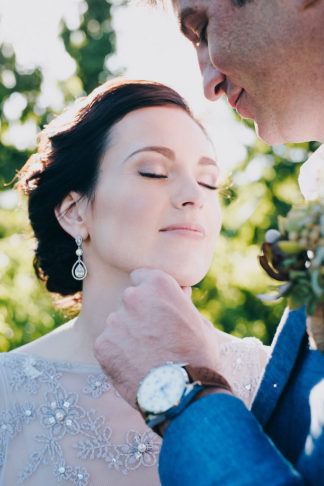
(271, 137)
(272, 134)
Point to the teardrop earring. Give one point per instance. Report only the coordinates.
(79, 270)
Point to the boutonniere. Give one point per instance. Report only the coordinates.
(294, 254)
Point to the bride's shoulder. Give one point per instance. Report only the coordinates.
(49, 346)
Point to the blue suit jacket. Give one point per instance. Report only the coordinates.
(216, 440)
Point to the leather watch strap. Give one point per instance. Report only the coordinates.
(202, 380)
(208, 377)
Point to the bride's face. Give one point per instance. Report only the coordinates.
(155, 202)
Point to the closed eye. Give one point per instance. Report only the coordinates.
(201, 36)
(208, 186)
(152, 175)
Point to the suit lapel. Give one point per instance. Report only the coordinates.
(285, 349)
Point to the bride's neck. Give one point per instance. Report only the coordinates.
(100, 298)
(74, 340)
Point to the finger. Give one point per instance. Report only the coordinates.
(187, 291)
(101, 347)
(130, 297)
(141, 275)
(208, 323)
(111, 320)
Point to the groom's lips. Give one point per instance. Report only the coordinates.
(233, 98)
(241, 103)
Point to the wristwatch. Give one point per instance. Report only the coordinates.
(168, 389)
(165, 392)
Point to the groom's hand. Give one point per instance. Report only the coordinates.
(155, 323)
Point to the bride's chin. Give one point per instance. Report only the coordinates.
(187, 280)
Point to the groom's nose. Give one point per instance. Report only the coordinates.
(213, 79)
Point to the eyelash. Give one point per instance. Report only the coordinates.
(152, 175)
(202, 36)
(159, 176)
(213, 188)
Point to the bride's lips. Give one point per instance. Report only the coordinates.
(190, 230)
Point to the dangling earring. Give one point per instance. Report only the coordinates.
(79, 270)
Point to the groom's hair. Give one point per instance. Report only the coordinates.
(238, 3)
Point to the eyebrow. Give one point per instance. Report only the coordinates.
(165, 151)
(169, 154)
(182, 17)
(208, 161)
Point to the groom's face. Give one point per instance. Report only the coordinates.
(255, 55)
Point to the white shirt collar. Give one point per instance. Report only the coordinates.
(311, 176)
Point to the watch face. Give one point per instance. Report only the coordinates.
(162, 388)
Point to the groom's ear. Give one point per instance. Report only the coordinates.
(304, 4)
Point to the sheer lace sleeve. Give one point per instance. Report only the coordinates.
(64, 423)
(242, 362)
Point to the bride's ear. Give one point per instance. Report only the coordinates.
(71, 215)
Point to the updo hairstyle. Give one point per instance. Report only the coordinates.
(70, 149)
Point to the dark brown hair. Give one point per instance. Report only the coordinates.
(163, 3)
(68, 159)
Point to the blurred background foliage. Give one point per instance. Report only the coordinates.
(264, 186)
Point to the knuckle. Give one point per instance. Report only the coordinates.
(160, 279)
(130, 296)
(112, 319)
(100, 347)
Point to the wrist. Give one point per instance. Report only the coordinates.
(208, 390)
(168, 389)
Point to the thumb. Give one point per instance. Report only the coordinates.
(141, 275)
(187, 291)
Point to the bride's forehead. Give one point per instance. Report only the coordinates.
(158, 126)
(155, 119)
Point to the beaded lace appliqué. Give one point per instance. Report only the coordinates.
(62, 415)
(242, 359)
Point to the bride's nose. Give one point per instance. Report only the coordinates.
(188, 193)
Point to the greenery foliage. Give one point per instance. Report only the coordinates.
(264, 186)
(91, 44)
(295, 255)
(26, 309)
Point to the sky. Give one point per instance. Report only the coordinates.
(149, 46)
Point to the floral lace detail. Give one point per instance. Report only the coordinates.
(30, 373)
(12, 422)
(53, 416)
(48, 454)
(62, 415)
(96, 385)
(78, 476)
(240, 359)
(139, 450)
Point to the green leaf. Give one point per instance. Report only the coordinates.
(290, 247)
